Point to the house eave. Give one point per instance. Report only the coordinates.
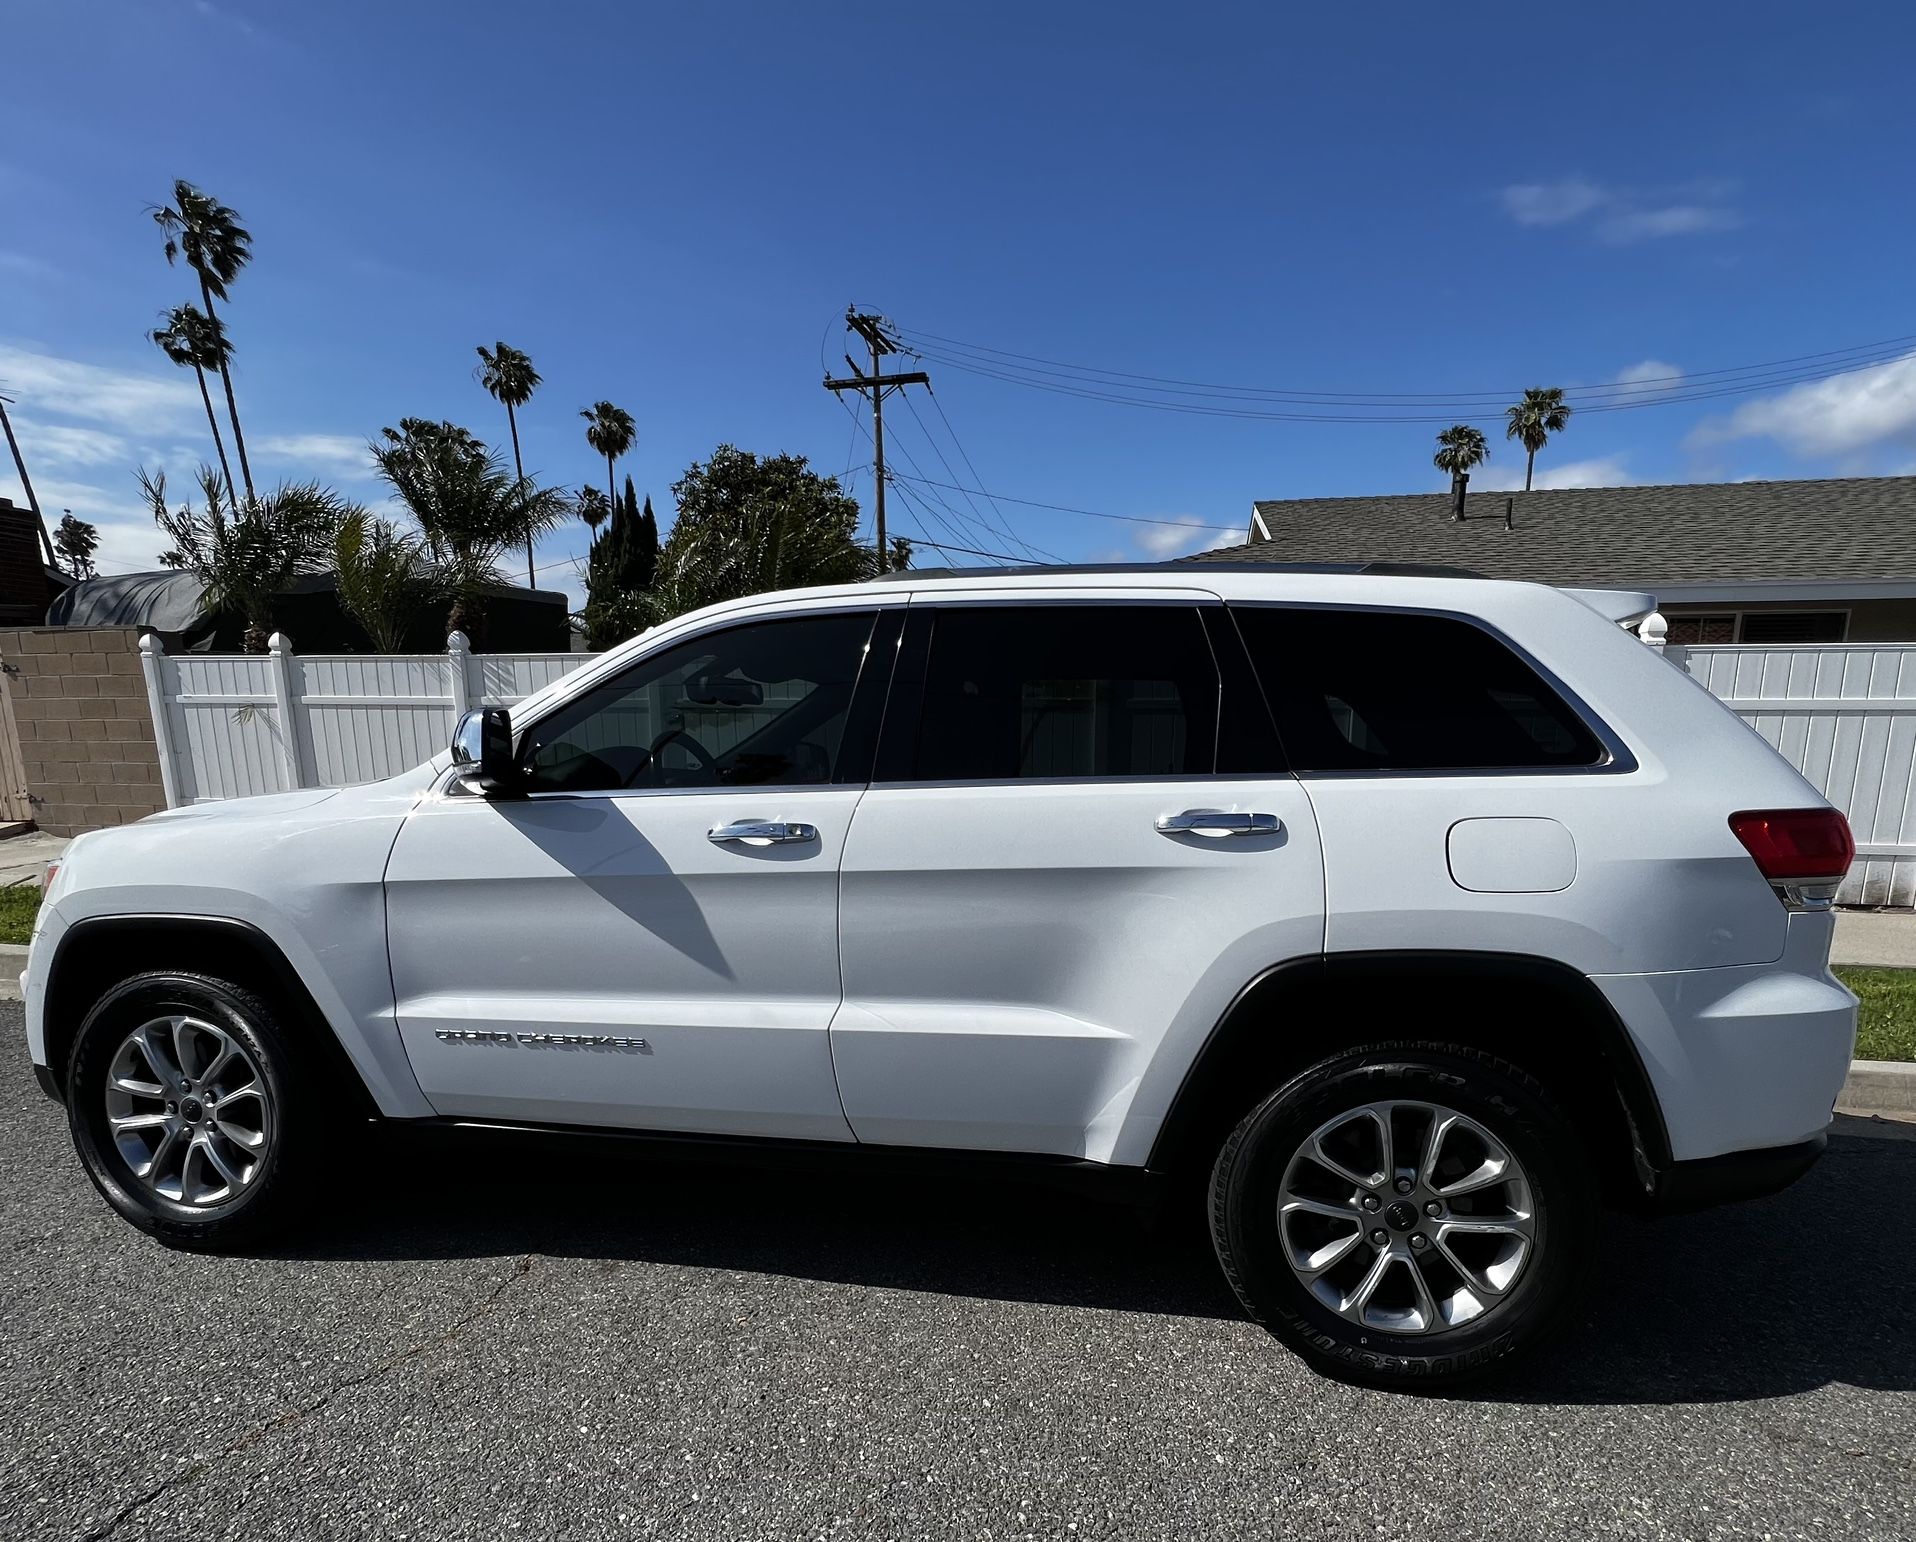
(1786, 589)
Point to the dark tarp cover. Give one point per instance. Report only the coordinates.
(307, 611)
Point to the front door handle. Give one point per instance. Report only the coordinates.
(1216, 824)
(762, 832)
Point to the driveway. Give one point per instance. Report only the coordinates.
(504, 1339)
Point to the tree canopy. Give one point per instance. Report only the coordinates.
(243, 562)
(470, 508)
(747, 524)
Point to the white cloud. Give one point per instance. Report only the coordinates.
(1186, 534)
(1622, 216)
(341, 455)
(1603, 471)
(1862, 410)
(129, 540)
(133, 401)
(1650, 378)
(1552, 203)
(60, 444)
(1682, 219)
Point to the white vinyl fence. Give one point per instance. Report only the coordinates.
(1844, 714)
(231, 725)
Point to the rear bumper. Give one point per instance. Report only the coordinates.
(1722, 1180)
(1744, 1060)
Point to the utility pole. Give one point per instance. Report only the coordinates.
(20, 465)
(876, 384)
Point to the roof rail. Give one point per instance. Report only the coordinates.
(1182, 566)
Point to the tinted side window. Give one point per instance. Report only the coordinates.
(752, 705)
(1369, 690)
(1015, 692)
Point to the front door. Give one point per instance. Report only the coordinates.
(649, 938)
(1068, 864)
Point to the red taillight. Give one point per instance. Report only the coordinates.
(1794, 844)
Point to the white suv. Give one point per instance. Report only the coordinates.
(1416, 915)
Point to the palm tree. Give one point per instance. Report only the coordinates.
(508, 374)
(1541, 413)
(216, 247)
(611, 431)
(244, 564)
(76, 540)
(1460, 448)
(385, 577)
(592, 508)
(194, 340)
(470, 507)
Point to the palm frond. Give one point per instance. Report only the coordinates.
(244, 561)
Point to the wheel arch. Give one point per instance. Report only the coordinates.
(97, 952)
(1296, 1013)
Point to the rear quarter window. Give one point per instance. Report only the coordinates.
(1356, 690)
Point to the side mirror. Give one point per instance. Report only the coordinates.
(482, 747)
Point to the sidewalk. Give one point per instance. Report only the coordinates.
(1886, 938)
(26, 856)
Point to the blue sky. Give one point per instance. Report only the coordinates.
(669, 207)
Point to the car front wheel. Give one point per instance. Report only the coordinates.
(186, 1109)
(1405, 1214)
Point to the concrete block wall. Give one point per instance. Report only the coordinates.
(85, 732)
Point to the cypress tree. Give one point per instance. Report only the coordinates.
(620, 567)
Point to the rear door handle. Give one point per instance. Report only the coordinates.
(762, 832)
(1217, 824)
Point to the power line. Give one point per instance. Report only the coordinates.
(893, 478)
(922, 503)
(1465, 412)
(1065, 508)
(969, 551)
(876, 385)
(1004, 527)
(1326, 397)
(925, 513)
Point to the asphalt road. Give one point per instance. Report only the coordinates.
(506, 1340)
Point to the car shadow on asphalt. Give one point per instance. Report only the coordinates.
(1762, 1299)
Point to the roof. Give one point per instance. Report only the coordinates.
(1661, 537)
(1176, 569)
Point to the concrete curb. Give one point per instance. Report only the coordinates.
(1880, 1086)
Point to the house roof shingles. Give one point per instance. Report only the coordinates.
(1702, 533)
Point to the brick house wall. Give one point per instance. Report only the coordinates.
(84, 729)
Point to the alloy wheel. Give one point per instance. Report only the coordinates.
(1407, 1218)
(189, 1110)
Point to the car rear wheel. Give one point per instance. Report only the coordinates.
(186, 1109)
(1405, 1214)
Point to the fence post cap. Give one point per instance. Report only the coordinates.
(457, 642)
(150, 643)
(1654, 629)
(279, 642)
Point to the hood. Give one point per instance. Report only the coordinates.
(266, 805)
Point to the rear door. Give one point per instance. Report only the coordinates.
(1064, 870)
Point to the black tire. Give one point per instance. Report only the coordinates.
(271, 1194)
(1247, 1182)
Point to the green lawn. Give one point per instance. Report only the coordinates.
(17, 907)
(1886, 1029)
